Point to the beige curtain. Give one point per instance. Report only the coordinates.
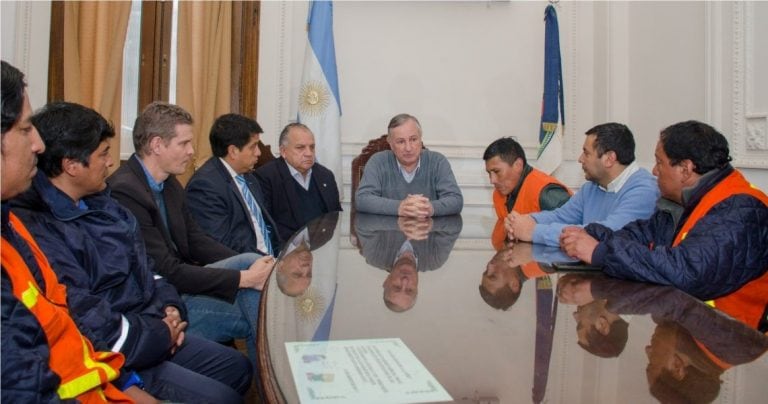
(94, 36)
(204, 68)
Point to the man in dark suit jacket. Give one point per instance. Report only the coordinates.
(200, 267)
(296, 188)
(216, 193)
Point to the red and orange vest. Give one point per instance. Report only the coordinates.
(748, 303)
(528, 201)
(84, 373)
(528, 198)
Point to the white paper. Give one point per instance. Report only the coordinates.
(361, 371)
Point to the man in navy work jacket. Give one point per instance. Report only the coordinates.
(96, 249)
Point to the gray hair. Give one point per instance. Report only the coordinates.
(283, 140)
(399, 120)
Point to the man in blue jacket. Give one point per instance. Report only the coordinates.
(96, 249)
(42, 361)
(617, 191)
(708, 235)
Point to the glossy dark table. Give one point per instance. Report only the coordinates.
(529, 352)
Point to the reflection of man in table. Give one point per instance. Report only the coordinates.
(501, 285)
(402, 284)
(405, 247)
(600, 331)
(692, 344)
(294, 268)
(503, 278)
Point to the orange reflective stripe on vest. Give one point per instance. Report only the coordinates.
(84, 373)
(748, 303)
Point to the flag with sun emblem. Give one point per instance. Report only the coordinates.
(319, 103)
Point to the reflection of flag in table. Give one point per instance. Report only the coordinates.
(546, 312)
(319, 103)
(550, 152)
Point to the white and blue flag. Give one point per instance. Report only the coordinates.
(550, 153)
(319, 104)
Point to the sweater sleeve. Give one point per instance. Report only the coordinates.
(636, 200)
(549, 224)
(369, 196)
(449, 199)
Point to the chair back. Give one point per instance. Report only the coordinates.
(358, 163)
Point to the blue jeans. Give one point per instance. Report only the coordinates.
(221, 321)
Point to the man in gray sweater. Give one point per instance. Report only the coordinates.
(408, 180)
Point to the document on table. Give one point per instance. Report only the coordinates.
(361, 371)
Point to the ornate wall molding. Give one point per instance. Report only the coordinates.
(749, 142)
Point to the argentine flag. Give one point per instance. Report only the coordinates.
(319, 104)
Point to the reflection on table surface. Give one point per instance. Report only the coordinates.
(500, 326)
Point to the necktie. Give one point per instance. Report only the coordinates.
(255, 211)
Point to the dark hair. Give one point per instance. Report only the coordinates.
(695, 387)
(158, 119)
(70, 131)
(505, 297)
(696, 141)
(701, 382)
(13, 95)
(609, 345)
(614, 137)
(232, 129)
(507, 149)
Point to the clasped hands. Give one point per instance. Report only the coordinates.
(519, 227)
(577, 243)
(175, 325)
(415, 228)
(415, 205)
(574, 240)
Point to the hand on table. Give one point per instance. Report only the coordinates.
(519, 227)
(577, 243)
(415, 205)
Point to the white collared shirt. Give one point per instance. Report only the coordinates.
(618, 182)
(260, 244)
(409, 176)
(304, 182)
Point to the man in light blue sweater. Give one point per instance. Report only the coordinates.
(618, 191)
(408, 180)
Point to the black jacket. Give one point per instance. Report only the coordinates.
(215, 202)
(181, 251)
(281, 198)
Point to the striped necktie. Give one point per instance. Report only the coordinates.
(255, 211)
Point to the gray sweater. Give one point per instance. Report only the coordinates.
(383, 187)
